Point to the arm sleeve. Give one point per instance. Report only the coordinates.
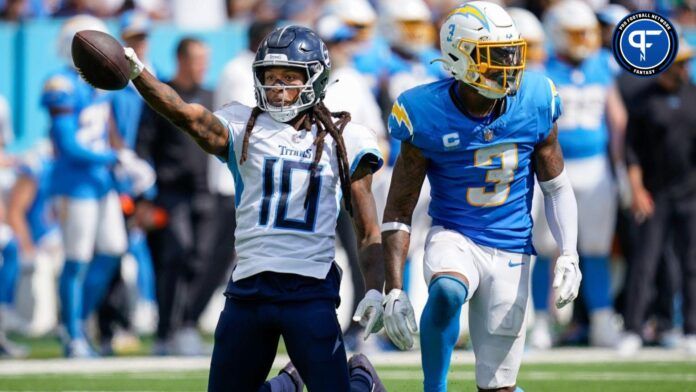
(64, 128)
(361, 144)
(561, 212)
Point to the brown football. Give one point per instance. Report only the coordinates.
(100, 60)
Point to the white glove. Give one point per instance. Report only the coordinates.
(369, 312)
(399, 320)
(136, 66)
(132, 168)
(566, 279)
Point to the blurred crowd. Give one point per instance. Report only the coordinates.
(117, 226)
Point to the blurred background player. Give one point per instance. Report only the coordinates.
(32, 217)
(609, 16)
(10, 320)
(92, 225)
(9, 268)
(532, 32)
(371, 51)
(236, 83)
(661, 139)
(183, 249)
(590, 133)
(408, 28)
(480, 245)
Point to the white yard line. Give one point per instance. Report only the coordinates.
(183, 364)
(542, 376)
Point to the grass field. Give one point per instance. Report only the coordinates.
(600, 377)
(567, 374)
(564, 369)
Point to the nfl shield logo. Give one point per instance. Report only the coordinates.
(487, 135)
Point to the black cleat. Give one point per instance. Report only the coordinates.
(361, 361)
(290, 370)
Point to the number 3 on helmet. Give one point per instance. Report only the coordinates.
(482, 47)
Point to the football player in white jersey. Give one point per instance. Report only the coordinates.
(292, 165)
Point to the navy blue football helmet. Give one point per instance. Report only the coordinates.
(298, 47)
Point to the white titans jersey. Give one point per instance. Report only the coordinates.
(275, 232)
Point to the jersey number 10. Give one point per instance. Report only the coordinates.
(269, 190)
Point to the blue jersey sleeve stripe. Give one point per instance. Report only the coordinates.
(361, 154)
(231, 162)
(230, 143)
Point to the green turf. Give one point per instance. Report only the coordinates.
(599, 377)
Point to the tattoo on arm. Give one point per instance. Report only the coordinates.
(367, 231)
(548, 158)
(406, 183)
(201, 124)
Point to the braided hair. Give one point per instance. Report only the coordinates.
(322, 117)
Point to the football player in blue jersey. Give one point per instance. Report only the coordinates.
(532, 32)
(34, 222)
(480, 138)
(292, 165)
(92, 224)
(590, 134)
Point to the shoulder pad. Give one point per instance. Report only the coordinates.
(400, 125)
(235, 112)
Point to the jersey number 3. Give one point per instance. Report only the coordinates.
(498, 177)
(269, 190)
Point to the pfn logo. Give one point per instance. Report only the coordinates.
(645, 43)
(641, 44)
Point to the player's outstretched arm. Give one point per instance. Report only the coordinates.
(562, 215)
(200, 123)
(406, 183)
(369, 311)
(404, 190)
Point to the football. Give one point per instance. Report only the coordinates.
(100, 60)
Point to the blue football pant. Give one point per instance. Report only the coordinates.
(246, 341)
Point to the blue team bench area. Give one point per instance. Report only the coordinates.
(28, 53)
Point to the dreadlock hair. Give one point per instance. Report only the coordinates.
(322, 117)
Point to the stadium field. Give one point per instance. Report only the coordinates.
(581, 370)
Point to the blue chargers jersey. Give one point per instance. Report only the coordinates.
(480, 174)
(40, 215)
(582, 131)
(80, 136)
